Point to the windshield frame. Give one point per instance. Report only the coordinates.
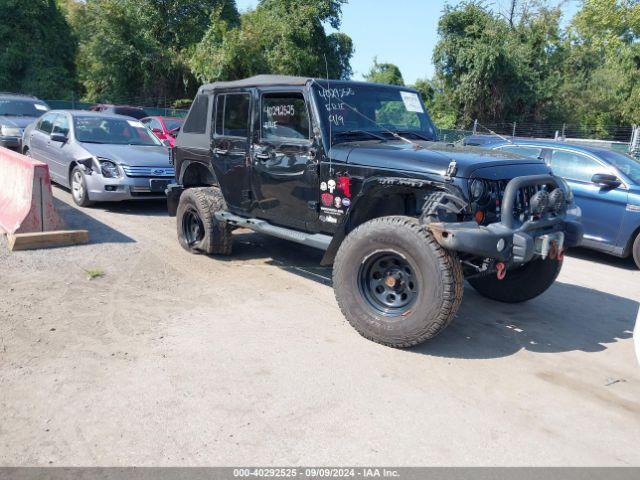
(317, 87)
(155, 141)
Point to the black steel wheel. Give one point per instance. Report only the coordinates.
(192, 227)
(389, 283)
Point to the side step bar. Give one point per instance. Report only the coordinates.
(316, 240)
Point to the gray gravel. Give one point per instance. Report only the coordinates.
(178, 359)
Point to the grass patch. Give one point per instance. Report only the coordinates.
(94, 273)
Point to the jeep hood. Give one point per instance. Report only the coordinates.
(135, 155)
(434, 158)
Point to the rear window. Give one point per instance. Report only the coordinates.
(196, 121)
(232, 115)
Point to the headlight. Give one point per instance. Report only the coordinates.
(478, 189)
(108, 168)
(10, 131)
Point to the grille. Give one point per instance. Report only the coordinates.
(492, 204)
(151, 172)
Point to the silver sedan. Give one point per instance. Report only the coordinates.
(100, 157)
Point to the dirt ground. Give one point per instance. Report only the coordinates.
(169, 358)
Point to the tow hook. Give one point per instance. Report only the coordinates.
(501, 270)
(553, 250)
(560, 256)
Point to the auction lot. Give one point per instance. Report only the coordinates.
(175, 359)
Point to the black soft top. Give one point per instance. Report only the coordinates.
(256, 81)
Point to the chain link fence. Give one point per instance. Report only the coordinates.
(164, 111)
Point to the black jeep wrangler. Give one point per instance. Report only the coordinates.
(355, 169)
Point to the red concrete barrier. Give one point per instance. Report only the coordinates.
(26, 201)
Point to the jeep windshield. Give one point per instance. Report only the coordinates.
(360, 111)
(21, 108)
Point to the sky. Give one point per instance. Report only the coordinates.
(402, 32)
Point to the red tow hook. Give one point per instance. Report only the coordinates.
(560, 255)
(501, 270)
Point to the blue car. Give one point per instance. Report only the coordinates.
(605, 184)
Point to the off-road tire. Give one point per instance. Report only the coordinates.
(520, 284)
(635, 252)
(215, 237)
(81, 199)
(438, 275)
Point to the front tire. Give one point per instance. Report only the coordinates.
(394, 283)
(79, 190)
(520, 284)
(198, 229)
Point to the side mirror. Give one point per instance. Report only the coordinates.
(606, 180)
(58, 137)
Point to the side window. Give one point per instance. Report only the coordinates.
(154, 124)
(284, 116)
(574, 166)
(235, 120)
(196, 121)
(46, 124)
(529, 152)
(61, 125)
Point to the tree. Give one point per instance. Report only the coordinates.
(37, 49)
(601, 77)
(137, 50)
(491, 71)
(384, 73)
(279, 36)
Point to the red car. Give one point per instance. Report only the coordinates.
(165, 128)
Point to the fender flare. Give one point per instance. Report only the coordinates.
(370, 187)
(189, 163)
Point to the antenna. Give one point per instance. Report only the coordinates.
(326, 69)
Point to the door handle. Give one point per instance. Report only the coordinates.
(220, 151)
(263, 156)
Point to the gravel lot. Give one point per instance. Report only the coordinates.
(177, 359)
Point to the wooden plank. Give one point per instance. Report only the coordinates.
(57, 238)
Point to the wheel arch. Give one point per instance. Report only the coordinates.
(196, 174)
(379, 197)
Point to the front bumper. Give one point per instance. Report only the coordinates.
(507, 241)
(11, 142)
(102, 189)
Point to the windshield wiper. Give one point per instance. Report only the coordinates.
(415, 134)
(361, 132)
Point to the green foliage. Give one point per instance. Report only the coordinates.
(384, 73)
(279, 36)
(37, 49)
(137, 49)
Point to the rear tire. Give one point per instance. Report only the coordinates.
(198, 229)
(520, 284)
(636, 250)
(394, 283)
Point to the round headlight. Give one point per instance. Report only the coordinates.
(478, 189)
